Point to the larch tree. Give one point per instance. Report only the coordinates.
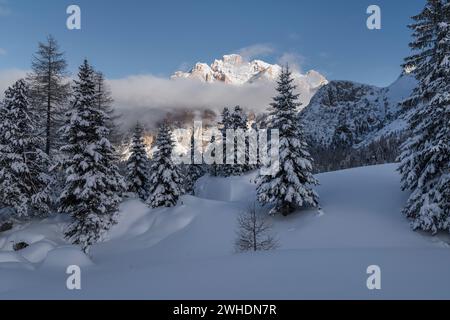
(254, 232)
(49, 89)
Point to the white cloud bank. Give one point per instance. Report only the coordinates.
(148, 98)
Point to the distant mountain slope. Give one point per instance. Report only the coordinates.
(349, 113)
(339, 112)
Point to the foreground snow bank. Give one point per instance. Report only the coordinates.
(65, 256)
(186, 252)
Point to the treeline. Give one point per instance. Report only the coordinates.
(56, 153)
(385, 149)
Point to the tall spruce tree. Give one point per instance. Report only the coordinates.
(49, 90)
(138, 165)
(93, 185)
(239, 121)
(193, 171)
(105, 103)
(166, 183)
(25, 184)
(290, 186)
(225, 123)
(425, 157)
(234, 120)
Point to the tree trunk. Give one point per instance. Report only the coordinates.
(47, 142)
(48, 125)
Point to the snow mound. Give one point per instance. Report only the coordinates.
(49, 229)
(66, 256)
(36, 252)
(10, 257)
(171, 233)
(138, 221)
(232, 189)
(12, 260)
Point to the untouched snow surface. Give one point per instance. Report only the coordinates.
(186, 252)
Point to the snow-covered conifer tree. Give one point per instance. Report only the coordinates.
(105, 103)
(291, 185)
(193, 171)
(25, 184)
(239, 118)
(425, 157)
(93, 185)
(138, 165)
(225, 123)
(166, 183)
(239, 121)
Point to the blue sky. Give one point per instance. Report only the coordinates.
(158, 37)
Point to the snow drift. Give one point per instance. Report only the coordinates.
(186, 252)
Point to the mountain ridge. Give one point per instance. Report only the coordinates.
(349, 111)
(233, 69)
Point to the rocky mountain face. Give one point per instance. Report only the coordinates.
(233, 69)
(345, 120)
(354, 114)
(337, 112)
(347, 124)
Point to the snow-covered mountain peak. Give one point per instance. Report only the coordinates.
(234, 69)
(231, 59)
(316, 79)
(200, 71)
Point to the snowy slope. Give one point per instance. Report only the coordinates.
(187, 251)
